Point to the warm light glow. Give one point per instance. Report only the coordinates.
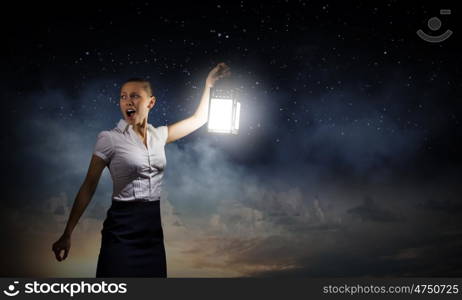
(221, 115)
(224, 111)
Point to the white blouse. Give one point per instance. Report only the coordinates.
(136, 171)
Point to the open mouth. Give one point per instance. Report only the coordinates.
(130, 112)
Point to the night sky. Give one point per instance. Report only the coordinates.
(347, 162)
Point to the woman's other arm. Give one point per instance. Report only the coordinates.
(84, 196)
(184, 127)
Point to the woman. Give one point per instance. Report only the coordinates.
(132, 237)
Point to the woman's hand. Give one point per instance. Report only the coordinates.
(221, 70)
(64, 243)
(184, 127)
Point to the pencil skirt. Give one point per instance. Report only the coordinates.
(132, 241)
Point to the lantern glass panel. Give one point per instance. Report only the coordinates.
(221, 115)
(238, 113)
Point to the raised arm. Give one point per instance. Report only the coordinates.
(184, 127)
(81, 201)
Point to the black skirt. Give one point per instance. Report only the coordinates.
(132, 243)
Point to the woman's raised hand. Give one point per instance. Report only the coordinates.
(64, 243)
(221, 70)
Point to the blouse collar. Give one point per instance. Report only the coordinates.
(123, 125)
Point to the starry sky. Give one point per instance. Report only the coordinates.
(347, 162)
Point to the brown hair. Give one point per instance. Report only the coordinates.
(146, 84)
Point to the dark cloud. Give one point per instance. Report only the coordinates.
(369, 210)
(444, 205)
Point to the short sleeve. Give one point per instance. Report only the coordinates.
(104, 147)
(163, 133)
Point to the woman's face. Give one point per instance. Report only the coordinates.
(135, 103)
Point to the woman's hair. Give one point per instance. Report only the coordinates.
(146, 84)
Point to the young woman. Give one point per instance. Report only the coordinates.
(132, 242)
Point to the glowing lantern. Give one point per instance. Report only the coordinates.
(224, 110)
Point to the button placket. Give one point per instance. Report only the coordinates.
(149, 159)
(146, 149)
